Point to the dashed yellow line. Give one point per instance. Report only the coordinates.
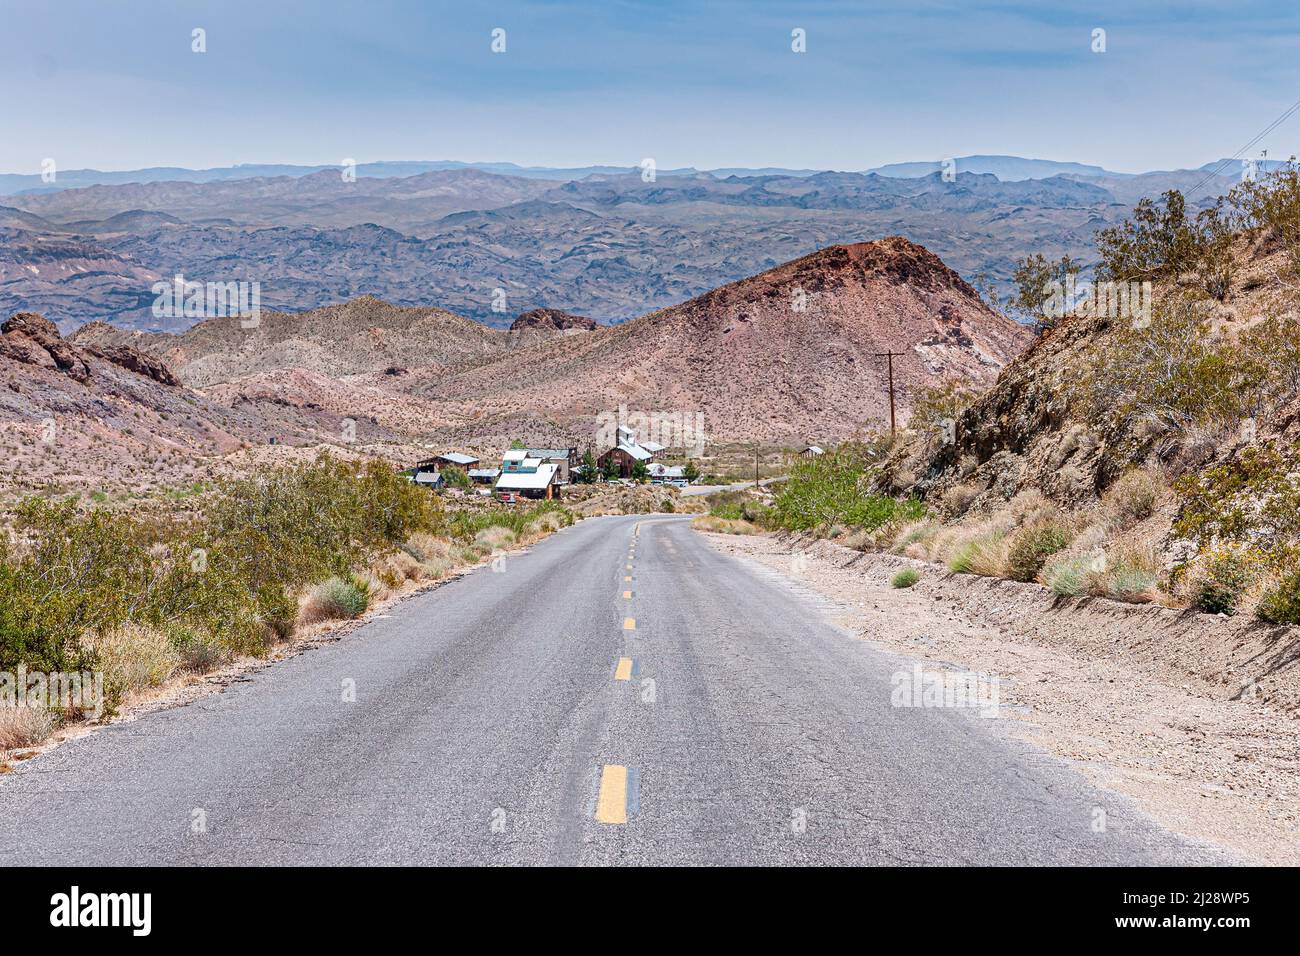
(611, 804)
(629, 624)
(627, 595)
(624, 669)
(627, 577)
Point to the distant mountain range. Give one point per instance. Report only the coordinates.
(610, 244)
(1004, 167)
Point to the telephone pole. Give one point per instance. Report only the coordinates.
(893, 422)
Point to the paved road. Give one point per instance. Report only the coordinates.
(691, 490)
(490, 726)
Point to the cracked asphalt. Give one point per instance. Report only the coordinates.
(489, 711)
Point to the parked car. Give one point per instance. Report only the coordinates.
(508, 497)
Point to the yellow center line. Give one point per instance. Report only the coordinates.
(629, 624)
(624, 669)
(627, 595)
(611, 804)
(627, 577)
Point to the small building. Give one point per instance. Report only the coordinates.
(452, 459)
(565, 458)
(625, 455)
(484, 476)
(813, 451)
(432, 480)
(529, 478)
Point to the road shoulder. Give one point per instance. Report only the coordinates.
(1221, 770)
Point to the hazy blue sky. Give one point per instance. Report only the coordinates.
(114, 85)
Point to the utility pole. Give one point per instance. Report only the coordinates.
(893, 422)
(755, 466)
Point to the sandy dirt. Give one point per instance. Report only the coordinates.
(1090, 682)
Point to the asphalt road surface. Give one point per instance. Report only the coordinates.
(621, 694)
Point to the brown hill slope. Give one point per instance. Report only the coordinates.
(356, 337)
(788, 354)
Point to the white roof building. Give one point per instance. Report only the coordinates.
(536, 480)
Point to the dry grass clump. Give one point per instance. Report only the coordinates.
(336, 599)
(436, 555)
(1134, 497)
(200, 654)
(133, 658)
(984, 553)
(1126, 571)
(956, 501)
(495, 538)
(913, 539)
(723, 525)
(397, 568)
(544, 524)
(1132, 574)
(25, 726)
(1033, 543)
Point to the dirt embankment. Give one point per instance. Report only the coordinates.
(1192, 715)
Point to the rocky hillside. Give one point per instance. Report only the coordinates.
(785, 356)
(790, 354)
(86, 416)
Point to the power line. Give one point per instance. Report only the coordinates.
(1237, 155)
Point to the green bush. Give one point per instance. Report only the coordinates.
(834, 489)
(906, 578)
(341, 597)
(1068, 577)
(227, 567)
(1281, 603)
(1226, 579)
(1032, 545)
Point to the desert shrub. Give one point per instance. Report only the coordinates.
(1159, 241)
(1032, 545)
(1068, 576)
(72, 573)
(1253, 499)
(455, 478)
(134, 657)
(1174, 371)
(1270, 206)
(905, 578)
(1134, 497)
(936, 409)
(1280, 604)
(985, 554)
(200, 653)
(1270, 351)
(340, 598)
(1036, 277)
(25, 726)
(1220, 588)
(836, 489)
(723, 525)
(956, 501)
(727, 511)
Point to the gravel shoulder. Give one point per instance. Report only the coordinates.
(1122, 692)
